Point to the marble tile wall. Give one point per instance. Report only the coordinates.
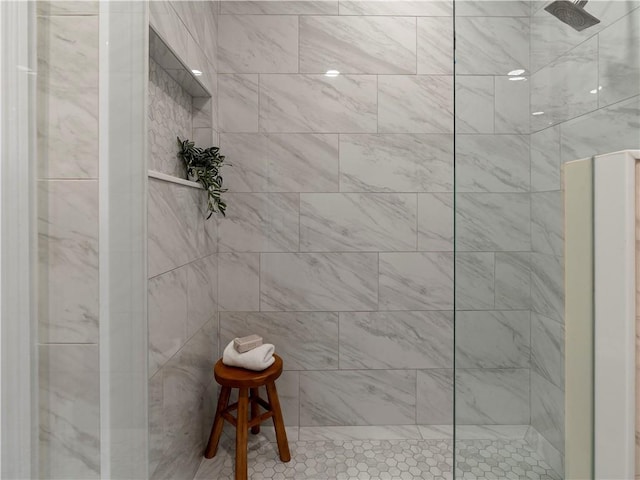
(337, 245)
(587, 85)
(68, 273)
(493, 214)
(182, 249)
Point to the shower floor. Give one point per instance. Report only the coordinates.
(382, 459)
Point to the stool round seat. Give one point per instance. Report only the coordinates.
(234, 377)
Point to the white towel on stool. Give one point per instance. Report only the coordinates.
(257, 359)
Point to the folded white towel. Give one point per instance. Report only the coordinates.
(257, 359)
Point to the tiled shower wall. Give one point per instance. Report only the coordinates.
(337, 246)
(67, 124)
(493, 238)
(587, 85)
(183, 317)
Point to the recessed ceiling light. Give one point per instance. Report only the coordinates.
(332, 73)
(519, 71)
(537, 113)
(197, 73)
(517, 79)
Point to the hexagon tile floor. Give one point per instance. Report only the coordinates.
(384, 460)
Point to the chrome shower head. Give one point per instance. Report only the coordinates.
(572, 13)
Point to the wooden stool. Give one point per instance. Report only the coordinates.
(245, 380)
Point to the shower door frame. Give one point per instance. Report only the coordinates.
(18, 364)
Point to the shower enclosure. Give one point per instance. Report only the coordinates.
(395, 226)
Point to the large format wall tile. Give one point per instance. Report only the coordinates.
(68, 261)
(316, 103)
(492, 339)
(318, 281)
(238, 102)
(416, 281)
(545, 160)
(563, 89)
(167, 316)
(478, 52)
(239, 281)
(202, 292)
(475, 104)
(434, 397)
(415, 104)
(492, 163)
(402, 340)
(547, 223)
(547, 410)
(397, 7)
(475, 280)
(435, 45)
(275, 7)
(609, 129)
(493, 222)
(619, 67)
(290, 162)
(69, 411)
(491, 8)
(512, 105)
(547, 288)
(357, 222)
(258, 44)
(260, 222)
(305, 340)
(513, 280)
(357, 44)
(547, 349)
(396, 162)
(435, 222)
(498, 396)
(358, 397)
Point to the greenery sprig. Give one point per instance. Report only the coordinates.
(204, 165)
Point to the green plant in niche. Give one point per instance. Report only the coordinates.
(203, 166)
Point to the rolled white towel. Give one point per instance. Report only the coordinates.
(257, 359)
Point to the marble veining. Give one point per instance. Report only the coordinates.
(260, 222)
(512, 106)
(547, 223)
(545, 160)
(319, 104)
(435, 45)
(318, 281)
(415, 104)
(421, 163)
(277, 7)
(492, 163)
(306, 340)
(435, 222)
(202, 292)
(238, 102)
(258, 44)
(488, 396)
(547, 288)
(547, 410)
(513, 280)
(400, 340)
(358, 44)
(434, 400)
(357, 222)
(69, 411)
(358, 397)
(492, 339)
(475, 280)
(239, 281)
(416, 281)
(547, 349)
(493, 221)
(68, 277)
(290, 162)
(397, 7)
(478, 52)
(475, 104)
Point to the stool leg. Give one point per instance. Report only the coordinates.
(218, 423)
(242, 434)
(255, 410)
(278, 422)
